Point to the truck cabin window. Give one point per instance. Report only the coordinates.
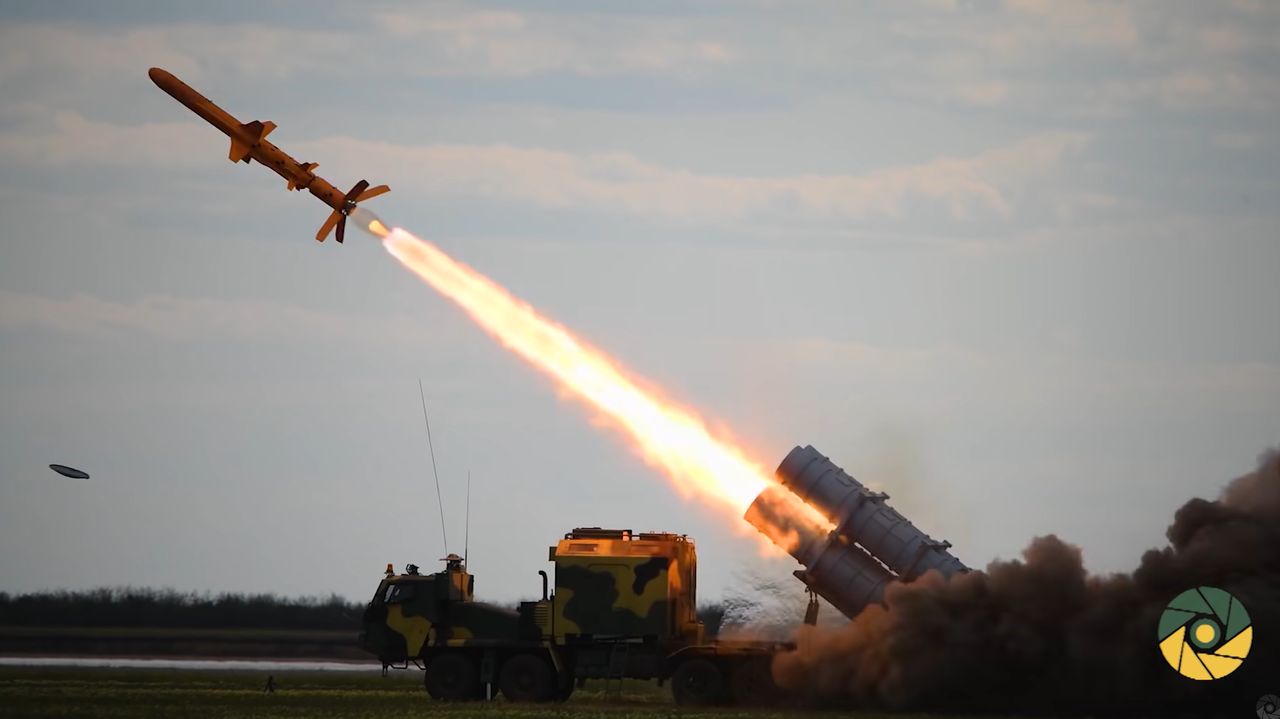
(398, 593)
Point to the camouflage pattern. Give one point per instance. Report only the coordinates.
(624, 606)
(609, 584)
(412, 613)
(613, 584)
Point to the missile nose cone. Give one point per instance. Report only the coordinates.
(160, 77)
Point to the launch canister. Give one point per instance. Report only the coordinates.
(869, 546)
(864, 516)
(843, 574)
(249, 142)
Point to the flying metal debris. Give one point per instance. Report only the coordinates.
(71, 472)
(249, 142)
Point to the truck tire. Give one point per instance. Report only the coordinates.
(698, 682)
(564, 692)
(527, 678)
(751, 684)
(453, 677)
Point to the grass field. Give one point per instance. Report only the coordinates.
(58, 692)
(176, 641)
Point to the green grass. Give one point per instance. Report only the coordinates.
(131, 693)
(179, 641)
(177, 633)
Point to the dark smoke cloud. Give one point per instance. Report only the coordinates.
(1042, 636)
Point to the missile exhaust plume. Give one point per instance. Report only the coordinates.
(671, 438)
(369, 222)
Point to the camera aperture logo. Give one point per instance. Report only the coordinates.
(1205, 633)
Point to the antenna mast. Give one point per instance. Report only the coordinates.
(431, 447)
(466, 532)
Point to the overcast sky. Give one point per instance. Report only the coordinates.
(1014, 263)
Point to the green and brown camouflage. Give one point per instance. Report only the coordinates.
(624, 605)
(613, 584)
(609, 585)
(412, 612)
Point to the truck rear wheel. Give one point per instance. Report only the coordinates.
(526, 678)
(751, 684)
(697, 682)
(453, 677)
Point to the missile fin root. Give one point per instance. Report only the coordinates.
(307, 167)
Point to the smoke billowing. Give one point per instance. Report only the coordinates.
(1039, 635)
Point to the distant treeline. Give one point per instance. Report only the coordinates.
(134, 607)
(141, 607)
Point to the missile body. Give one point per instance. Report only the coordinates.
(249, 142)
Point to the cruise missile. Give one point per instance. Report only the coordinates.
(249, 142)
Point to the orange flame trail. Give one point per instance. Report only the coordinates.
(669, 437)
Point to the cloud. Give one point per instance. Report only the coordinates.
(1076, 58)
(64, 138)
(511, 44)
(1236, 140)
(967, 187)
(1037, 24)
(435, 41)
(963, 187)
(179, 319)
(85, 54)
(948, 381)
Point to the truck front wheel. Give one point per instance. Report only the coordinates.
(697, 682)
(453, 677)
(526, 678)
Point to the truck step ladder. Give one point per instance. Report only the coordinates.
(619, 655)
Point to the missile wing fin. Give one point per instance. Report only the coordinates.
(239, 151)
(258, 129)
(307, 167)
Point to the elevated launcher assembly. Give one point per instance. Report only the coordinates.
(624, 604)
(871, 545)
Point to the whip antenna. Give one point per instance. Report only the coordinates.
(466, 531)
(431, 447)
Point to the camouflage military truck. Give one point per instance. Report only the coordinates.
(623, 607)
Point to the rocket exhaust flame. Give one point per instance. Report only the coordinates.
(668, 437)
(369, 222)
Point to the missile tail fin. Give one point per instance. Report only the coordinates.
(372, 192)
(338, 218)
(328, 225)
